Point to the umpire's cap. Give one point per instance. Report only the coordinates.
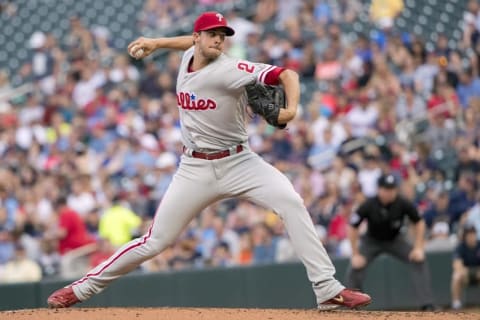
(388, 181)
(211, 20)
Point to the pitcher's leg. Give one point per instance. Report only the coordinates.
(186, 196)
(268, 187)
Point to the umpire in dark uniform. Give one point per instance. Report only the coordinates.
(385, 214)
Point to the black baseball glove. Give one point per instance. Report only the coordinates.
(266, 101)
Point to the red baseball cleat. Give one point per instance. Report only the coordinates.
(346, 298)
(62, 298)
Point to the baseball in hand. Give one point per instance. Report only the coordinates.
(139, 53)
(136, 52)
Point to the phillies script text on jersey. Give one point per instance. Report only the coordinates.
(189, 101)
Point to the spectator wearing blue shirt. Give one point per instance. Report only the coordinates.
(263, 244)
(438, 209)
(100, 138)
(469, 87)
(363, 49)
(466, 264)
(461, 199)
(6, 244)
(137, 159)
(10, 204)
(323, 12)
(7, 225)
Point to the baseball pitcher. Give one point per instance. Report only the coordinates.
(217, 162)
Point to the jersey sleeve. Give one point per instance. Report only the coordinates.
(244, 72)
(411, 211)
(269, 74)
(186, 57)
(359, 215)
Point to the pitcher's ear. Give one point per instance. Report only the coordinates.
(195, 35)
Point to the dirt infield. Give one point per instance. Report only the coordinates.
(223, 314)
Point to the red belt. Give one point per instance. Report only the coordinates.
(214, 155)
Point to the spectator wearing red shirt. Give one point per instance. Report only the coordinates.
(105, 250)
(444, 100)
(330, 67)
(343, 106)
(338, 227)
(72, 232)
(75, 244)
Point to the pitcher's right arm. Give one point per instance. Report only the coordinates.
(150, 45)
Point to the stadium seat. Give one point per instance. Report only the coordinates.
(91, 13)
(64, 24)
(122, 18)
(16, 23)
(109, 11)
(449, 7)
(13, 63)
(22, 54)
(80, 6)
(24, 14)
(8, 30)
(53, 16)
(115, 27)
(440, 27)
(457, 35)
(3, 57)
(27, 29)
(99, 6)
(19, 38)
(417, 29)
(42, 11)
(129, 9)
(410, 3)
(358, 27)
(127, 34)
(422, 20)
(364, 17)
(427, 10)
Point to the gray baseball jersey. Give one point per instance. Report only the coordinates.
(212, 101)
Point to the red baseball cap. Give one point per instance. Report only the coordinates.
(211, 20)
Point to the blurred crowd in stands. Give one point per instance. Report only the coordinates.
(90, 139)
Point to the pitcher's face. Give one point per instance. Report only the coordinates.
(210, 42)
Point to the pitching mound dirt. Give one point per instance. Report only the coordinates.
(223, 314)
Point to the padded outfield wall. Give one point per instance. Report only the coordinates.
(268, 286)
